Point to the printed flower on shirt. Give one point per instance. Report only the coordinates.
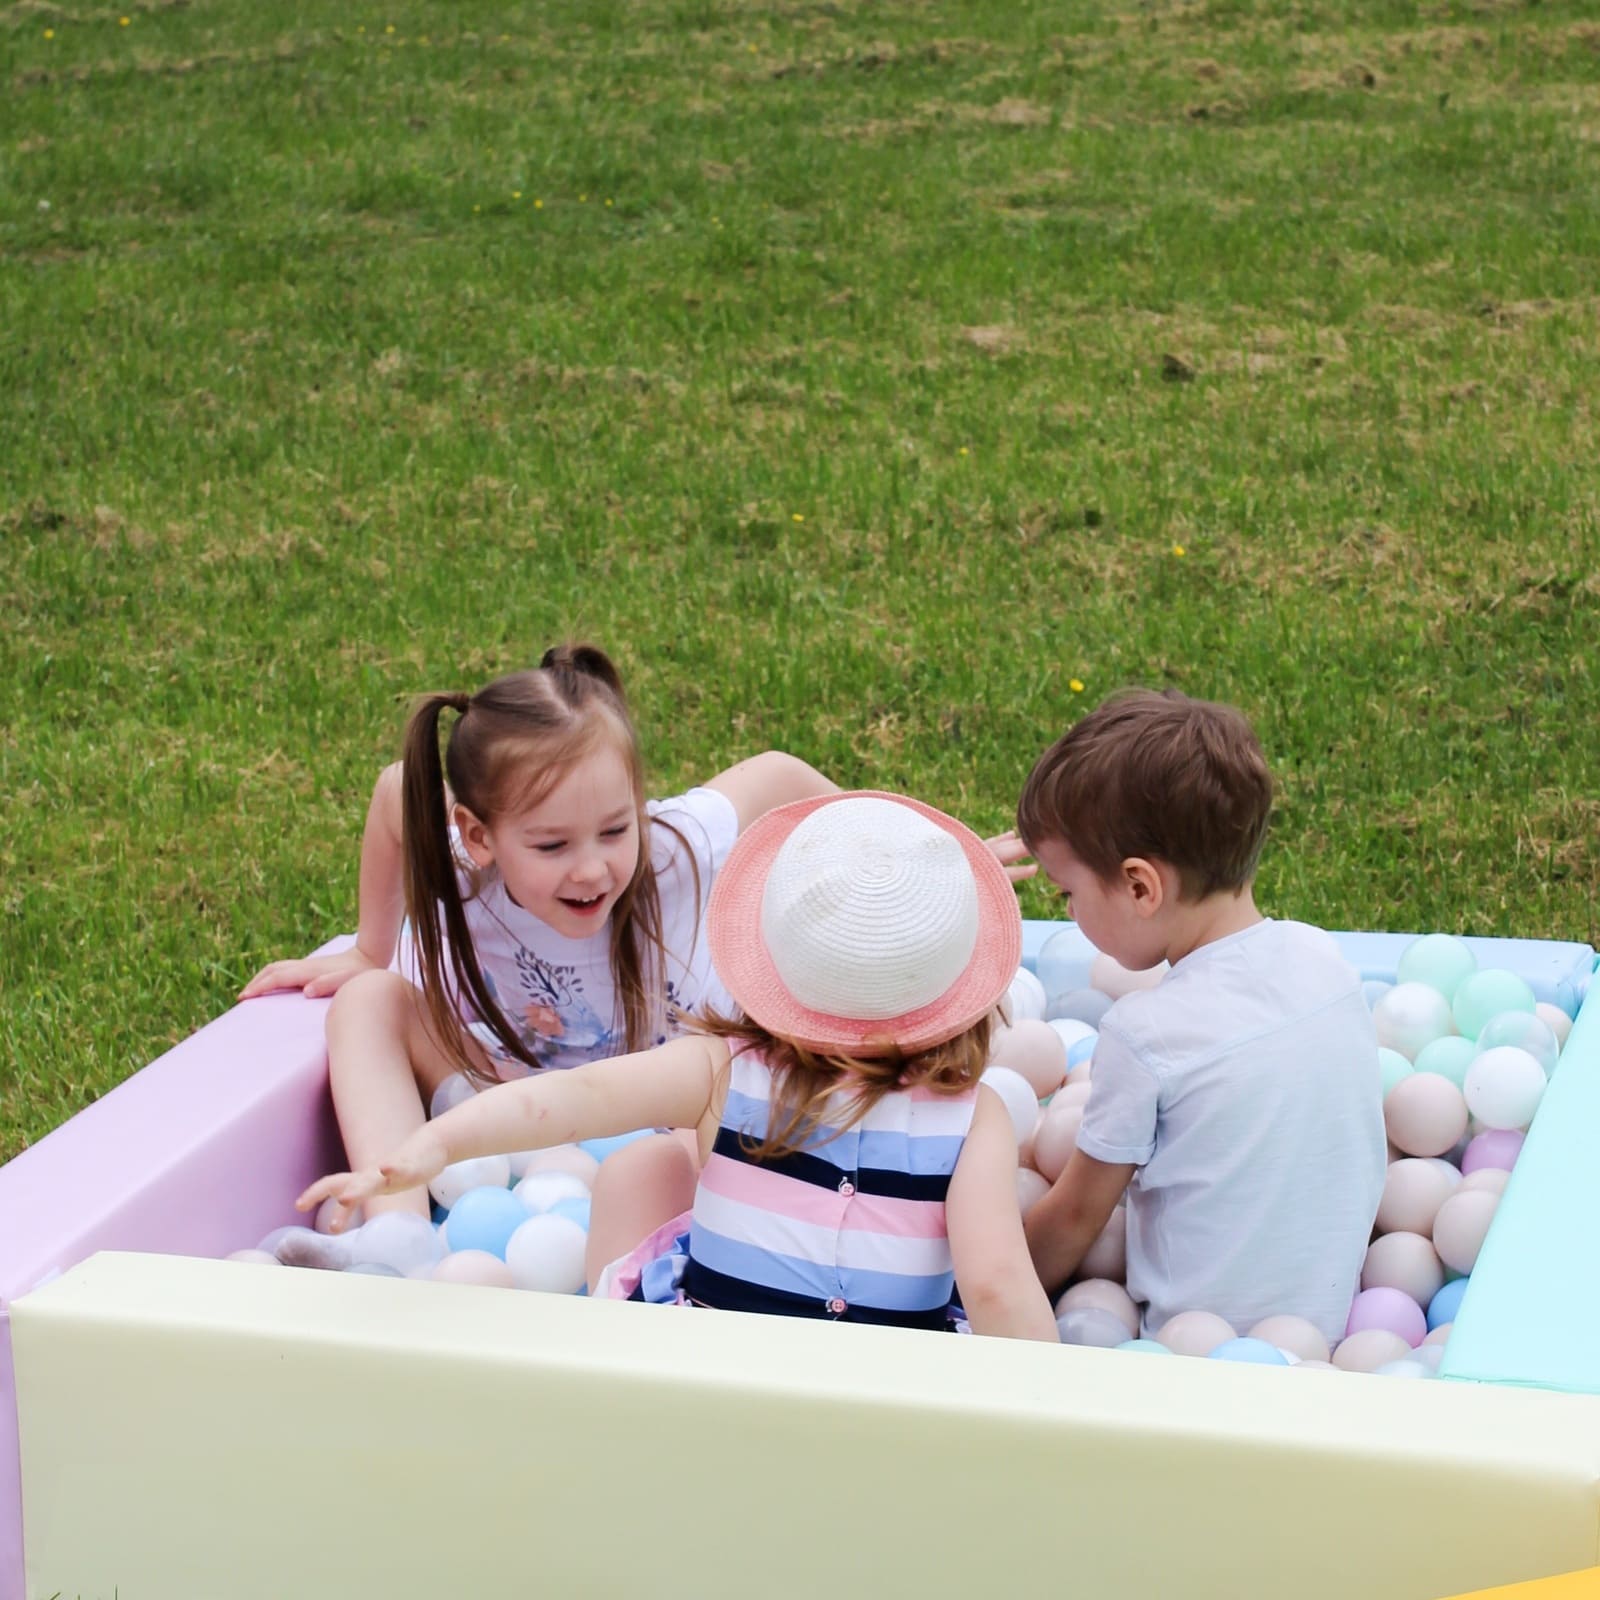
(544, 1020)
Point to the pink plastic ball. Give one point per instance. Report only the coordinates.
(1101, 1296)
(564, 1158)
(1294, 1334)
(1404, 1261)
(1112, 978)
(1368, 1350)
(1438, 1335)
(1072, 1094)
(473, 1266)
(1488, 1180)
(1035, 1051)
(1390, 1311)
(1056, 1139)
(1413, 1191)
(1032, 1187)
(1425, 1114)
(1107, 1257)
(1194, 1333)
(1499, 1147)
(1461, 1226)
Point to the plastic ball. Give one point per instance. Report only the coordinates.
(546, 1254)
(1389, 1310)
(1439, 1336)
(1439, 960)
(1107, 1257)
(1074, 1035)
(1449, 1057)
(539, 1191)
(1410, 1016)
(1145, 1347)
(1109, 976)
(398, 1239)
(1556, 1020)
(452, 1090)
(1294, 1334)
(1032, 1187)
(1429, 1356)
(1461, 1227)
(1089, 1325)
(473, 1266)
(1530, 1033)
(484, 1219)
(1500, 1147)
(1063, 963)
(1443, 1306)
(573, 1210)
(1018, 1097)
(1413, 1191)
(1056, 1139)
(1485, 995)
(329, 1212)
(1373, 990)
(564, 1158)
(1368, 1350)
(1073, 1094)
(1491, 1180)
(601, 1148)
(1503, 1087)
(1088, 1006)
(1424, 1114)
(1392, 1067)
(1251, 1352)
(1194, 1333)
(1025, 999)
(1102, 1295)
(1404, 1261)
(1033, 1050)
(481, 1172)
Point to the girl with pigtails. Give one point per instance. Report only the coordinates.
(546, 914)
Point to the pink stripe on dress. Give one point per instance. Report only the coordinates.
(772, 1191)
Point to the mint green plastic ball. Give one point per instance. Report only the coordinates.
(1439, 960)
(1487, 994)
(1449, 1057)
(1394, 1066)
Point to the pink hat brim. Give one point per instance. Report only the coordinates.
(743, 962)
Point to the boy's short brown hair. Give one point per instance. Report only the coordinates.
(1158, 775)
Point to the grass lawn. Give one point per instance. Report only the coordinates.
(886, 382)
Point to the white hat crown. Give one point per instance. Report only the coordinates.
(869, 910)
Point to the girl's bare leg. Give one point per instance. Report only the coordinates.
(383, 1066)
(639, 1187)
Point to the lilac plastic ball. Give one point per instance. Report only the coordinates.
(1389, 1310)
(1496, 1147)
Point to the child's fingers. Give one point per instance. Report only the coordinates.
(1022, 874)
(324, 1188)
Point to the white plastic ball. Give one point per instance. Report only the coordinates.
(541, 1190)
(1025, 1000)
(546, 1254)
(1102, 1295)
(1411, 1015)
(481, 1172)
(452, 1091)
(1556, 1020)
(1504, 1086)
(398, 1239)
(1524, 1031)
(1089, 1325)
(1018, 1097)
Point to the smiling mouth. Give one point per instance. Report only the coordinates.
(583, 907)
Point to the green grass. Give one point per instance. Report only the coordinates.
(338, 364)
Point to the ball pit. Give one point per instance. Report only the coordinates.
(155, 1308)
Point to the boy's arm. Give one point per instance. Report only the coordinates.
(669, 1086)
(382, 906)
(1000, 1291)
(773, 778)
(1062, 1226)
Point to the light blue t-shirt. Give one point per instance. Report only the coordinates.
(1245, 1087)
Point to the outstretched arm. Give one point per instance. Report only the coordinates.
(670, 1086)
(1000, 1292)
(382, 906)
(1069, 1219)
(773, 778)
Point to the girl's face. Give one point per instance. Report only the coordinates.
(568, 858)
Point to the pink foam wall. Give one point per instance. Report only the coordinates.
(200, 1153)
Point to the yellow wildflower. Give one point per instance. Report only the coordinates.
(1178, 550)
(798, 517)
(1075, 685)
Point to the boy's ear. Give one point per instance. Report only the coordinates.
(474, 836)
(1145, 884)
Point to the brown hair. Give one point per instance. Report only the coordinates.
(511, 743)
(803, 1080)
(1158, 775)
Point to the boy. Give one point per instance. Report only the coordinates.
(1238, 1102)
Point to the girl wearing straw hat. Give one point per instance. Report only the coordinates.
(855, 1168)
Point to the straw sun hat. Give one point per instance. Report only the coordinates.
(857, 923)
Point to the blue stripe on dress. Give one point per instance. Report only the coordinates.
(708, 1287)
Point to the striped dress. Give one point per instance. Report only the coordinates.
(850, 1228)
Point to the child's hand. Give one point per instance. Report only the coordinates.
(1011, 853)
(420, 1159)
(315, 975)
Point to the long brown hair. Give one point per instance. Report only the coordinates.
(511, 743)
(804, 1080)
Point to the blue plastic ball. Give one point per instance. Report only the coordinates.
(1444, 1305)
(601, 1148)
(574, 1209)
(1079, 1005)
(1253, 1352)
(484, 1219)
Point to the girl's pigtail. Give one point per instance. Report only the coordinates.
(433, 890)
(587, 660)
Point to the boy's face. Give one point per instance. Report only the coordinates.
(1115, 914)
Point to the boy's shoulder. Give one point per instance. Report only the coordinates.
(1272, 979)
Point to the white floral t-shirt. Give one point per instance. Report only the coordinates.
(558, 991)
